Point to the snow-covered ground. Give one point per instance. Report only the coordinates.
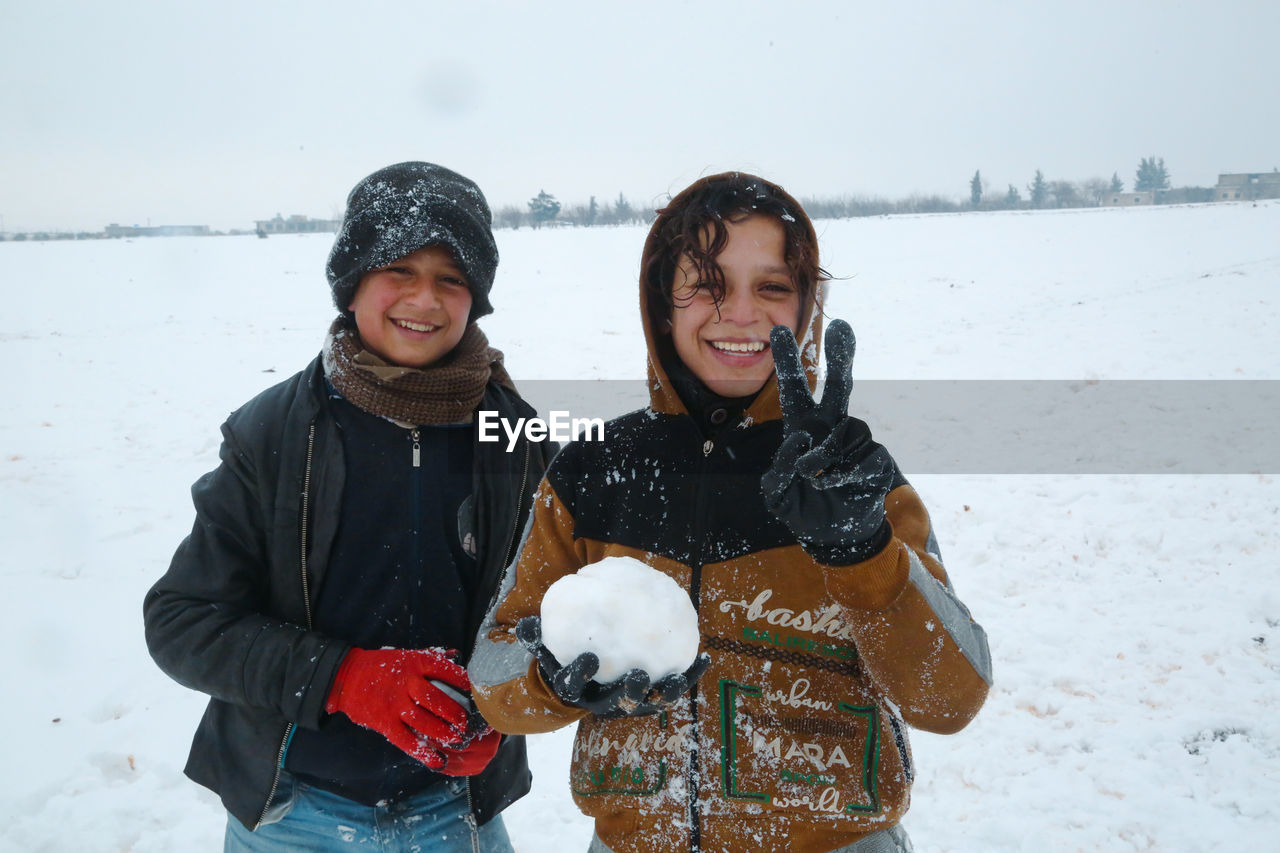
(1134, 620)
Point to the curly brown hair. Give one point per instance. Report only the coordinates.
(693, 225)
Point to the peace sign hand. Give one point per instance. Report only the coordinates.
(829, 478)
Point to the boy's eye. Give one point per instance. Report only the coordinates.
(691, 289)
(454, 281)
(778, 287)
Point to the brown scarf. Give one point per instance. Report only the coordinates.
(445, 392)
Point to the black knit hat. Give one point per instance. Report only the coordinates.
(406, 207)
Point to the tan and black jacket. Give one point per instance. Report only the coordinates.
(793, 740)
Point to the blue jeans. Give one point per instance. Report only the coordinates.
(435, 821)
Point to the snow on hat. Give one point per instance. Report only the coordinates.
(406, 207)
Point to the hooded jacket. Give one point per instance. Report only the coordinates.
(232, 615)
(793, 740)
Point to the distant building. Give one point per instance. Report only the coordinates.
(296, 224)
(1185, 195)
(1247, 186)
(114, 230)
(1128, 199)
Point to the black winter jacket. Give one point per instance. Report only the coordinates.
(231, 616)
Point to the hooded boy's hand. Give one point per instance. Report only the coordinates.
(828, 479)
(630, 695)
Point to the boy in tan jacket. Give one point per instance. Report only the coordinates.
(827, 620)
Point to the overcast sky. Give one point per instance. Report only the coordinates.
(223, 113)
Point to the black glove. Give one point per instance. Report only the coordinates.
(632, 695)
(828, 479)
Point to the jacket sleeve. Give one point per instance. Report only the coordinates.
(920, 645)
(205, 619)
(506, 682)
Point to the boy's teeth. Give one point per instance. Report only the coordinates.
(733, 346)
(417, 327)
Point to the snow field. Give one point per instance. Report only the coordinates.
(1134, 620)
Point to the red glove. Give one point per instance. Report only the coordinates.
(389, 691)
(470, 760)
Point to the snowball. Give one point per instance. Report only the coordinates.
(630, 615)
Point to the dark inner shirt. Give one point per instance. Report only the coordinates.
(398, 576)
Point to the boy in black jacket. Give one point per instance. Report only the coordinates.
(347, 546)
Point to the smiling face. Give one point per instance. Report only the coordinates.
(727, 346)
(414, 310)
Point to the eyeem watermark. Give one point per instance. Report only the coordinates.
(1032, 427)
(561, 427)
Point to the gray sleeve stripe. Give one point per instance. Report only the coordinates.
(954, 616)
(931, 547)
(494, 663)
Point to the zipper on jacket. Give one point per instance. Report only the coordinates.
(275, 782)
(415, 499)
(511, 547)
(695, 594)
(511, 542)
(306, 601)
(515, 520)
(470, 818)
(306, 509)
